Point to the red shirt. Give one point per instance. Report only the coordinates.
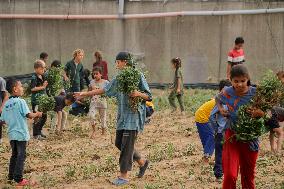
(236, 56)
(103, 65)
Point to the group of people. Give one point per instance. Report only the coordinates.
(15, 111)
(214, 119)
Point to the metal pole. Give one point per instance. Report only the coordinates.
(220, 46)
(120, 8)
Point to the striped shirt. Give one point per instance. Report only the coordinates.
(236, 56)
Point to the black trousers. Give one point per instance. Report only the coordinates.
(17, 160)
(38, 123)
(124, 141)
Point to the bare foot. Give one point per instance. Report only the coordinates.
(93, 135)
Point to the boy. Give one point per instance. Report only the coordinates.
(44, 57)
(236, 55)
(38, 88)
(129, 123)
(277, 115)
(205, 129)
(3, 99)
(74, 71)
(15, 114)
(60, 103)
(98, 103)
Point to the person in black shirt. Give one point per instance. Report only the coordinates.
(60, 103)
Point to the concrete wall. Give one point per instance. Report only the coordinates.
(201, 41)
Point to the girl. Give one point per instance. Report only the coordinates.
(98, 103)
(177, 86)
(238, 154)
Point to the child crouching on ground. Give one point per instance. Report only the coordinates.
(129, 123)
(205, 129)
(98, 103)
(15, 114)
(60, 103)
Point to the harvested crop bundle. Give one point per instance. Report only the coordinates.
(128, 81)
(55, 81)
(269, 93)
(45, 103)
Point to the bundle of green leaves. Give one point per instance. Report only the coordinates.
(269, 93)
(128, 81)
(55, 81)
(46, 103)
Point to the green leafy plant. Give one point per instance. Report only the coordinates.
(269, 93)
(55, 81)
(46, 103)
(128, 81)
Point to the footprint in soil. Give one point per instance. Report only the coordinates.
(96, 157)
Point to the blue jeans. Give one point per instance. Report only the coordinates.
(218, 171)
(206, 134)
(17, 160)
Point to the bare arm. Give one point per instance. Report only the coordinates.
(144, 96)
(40, 88)
(223, 111)
(178, 85)
(90, 93)
(229, 67)
(34, 115)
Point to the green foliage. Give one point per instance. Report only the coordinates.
(55, 81)
(128, 81)
(268, 94)
(46, 103)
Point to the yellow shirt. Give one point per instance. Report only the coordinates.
(203, 113)
(150, 104)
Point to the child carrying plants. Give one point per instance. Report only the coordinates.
(38, 88)
(15, 114)
(177, 87)
(205, 130)
(131, 113)
(98, 103)
(237, 154)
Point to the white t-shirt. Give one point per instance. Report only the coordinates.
(97, 100)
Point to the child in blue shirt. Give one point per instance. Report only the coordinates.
(15, 114)
(129, 123)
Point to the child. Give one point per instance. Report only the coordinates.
(3, 99)
(149, 111)
(99, 62)
(129, 123)
(177, 86)
(236, 55)
(38, 88)
(15, 114)
(74, 71)
(44, 57)
(205, 129)
(60, 103)
(237, 154)
(98, 103)
(277, 115)
(218, 123)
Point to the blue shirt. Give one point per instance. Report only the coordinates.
(217, 120)
(15, 116)
(229, 98)
(126, 118)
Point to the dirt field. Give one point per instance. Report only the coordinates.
(170, 142)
